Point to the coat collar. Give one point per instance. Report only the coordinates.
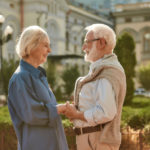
(37, 72)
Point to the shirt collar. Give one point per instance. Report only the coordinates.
(35, 71)
(98, 62)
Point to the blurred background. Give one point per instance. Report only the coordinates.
(64, 21)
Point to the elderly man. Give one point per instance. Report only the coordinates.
(99, 96)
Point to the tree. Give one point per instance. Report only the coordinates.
(9, 66)
(144, 76)
(69, 77)
(126, 54)
(53, 80)
(51, 73)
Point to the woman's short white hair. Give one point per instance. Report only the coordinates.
(29, 39)
(103, 31)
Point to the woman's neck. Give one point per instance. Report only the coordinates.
(31, 62)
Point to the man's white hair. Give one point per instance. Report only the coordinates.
(29, 39)
(103, 31)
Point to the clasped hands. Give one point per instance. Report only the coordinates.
(67, 109)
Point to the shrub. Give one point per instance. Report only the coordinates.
(69, 77)
(140, 119)
(144, 76)
(51, 73)
(9, 66)
(147, 134)
(126, 54)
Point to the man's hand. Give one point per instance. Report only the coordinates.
(72, 113)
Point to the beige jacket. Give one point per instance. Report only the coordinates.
(111, 70)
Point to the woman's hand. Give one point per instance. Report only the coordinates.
(61, 108)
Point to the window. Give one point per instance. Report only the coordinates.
(75, 49)
(75, 45)
(147, 18)
(128, 19)
(67, 40)
(147, 42)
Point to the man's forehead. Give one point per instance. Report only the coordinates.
(89, 34)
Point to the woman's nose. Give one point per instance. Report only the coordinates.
(49, 50)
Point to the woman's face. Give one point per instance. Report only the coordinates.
(40, 53)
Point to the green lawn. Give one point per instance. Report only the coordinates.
(4, 115)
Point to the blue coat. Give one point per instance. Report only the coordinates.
(32, 107)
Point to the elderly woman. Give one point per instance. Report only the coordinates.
(32, 105)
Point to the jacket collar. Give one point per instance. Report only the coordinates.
(37, 72)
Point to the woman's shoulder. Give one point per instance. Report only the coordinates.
(20, 75)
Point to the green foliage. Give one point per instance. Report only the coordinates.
(137, 121)
(69, 77)
(58, 94)
(126, 54)
(147, 134)
(52, 79)
(144, 76)
(67, 123)
(51, 73)
(137, 115)
(127, 113)
(4, 115)
(9, 66)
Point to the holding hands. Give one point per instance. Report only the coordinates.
(70, 111)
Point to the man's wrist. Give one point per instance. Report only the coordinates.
(80, 115)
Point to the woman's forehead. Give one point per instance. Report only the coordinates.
(45, 40)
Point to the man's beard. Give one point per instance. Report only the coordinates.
(92, 54)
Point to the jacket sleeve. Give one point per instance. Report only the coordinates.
(28, 108)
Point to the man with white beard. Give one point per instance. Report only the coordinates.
(98, 96)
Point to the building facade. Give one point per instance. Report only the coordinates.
(63, 22)
(135, 19)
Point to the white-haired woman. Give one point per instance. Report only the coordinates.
(32, 105)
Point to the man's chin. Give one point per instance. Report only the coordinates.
(87, 59)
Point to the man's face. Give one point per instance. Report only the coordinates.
(90, 48)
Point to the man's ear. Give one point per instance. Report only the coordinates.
(102, 43)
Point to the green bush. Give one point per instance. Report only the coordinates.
(9, 66)
(127, 113)
(137, 115)
(69, 77)
(4, 115)
(147, 134)
(126, 54)
(141, 119)
(51, 73)
(144, 76)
